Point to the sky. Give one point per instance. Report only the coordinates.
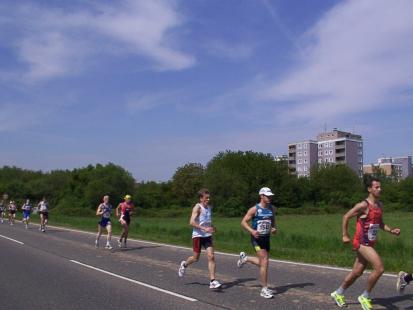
(153, 85)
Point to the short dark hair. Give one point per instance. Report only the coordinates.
(368, 181)
(202, 192)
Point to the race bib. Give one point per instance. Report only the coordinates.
(264, 227)
(372, 232)
(106, 215)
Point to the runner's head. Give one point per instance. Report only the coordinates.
(265, 195)
(27, 201)
(106, 199)
(128, 198)
(373, 186)
(204, 195)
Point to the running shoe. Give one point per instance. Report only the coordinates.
(401, 282)
(339, 299)
(108, 246)
(365, 302)
(119, 243)
(242, 259)
(96, 244)
(27, 226)
(43, 230)
(214, 284)
(182, 269)
(266, 293)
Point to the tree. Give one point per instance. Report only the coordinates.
(186, 182)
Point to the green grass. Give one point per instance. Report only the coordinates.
(303, 238)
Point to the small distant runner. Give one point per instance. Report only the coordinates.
(3, 206)
(43, 207)
(26, 208)
(124, 211)
(263, 225)
(369, 215)
(104, 210)
(201, 221)
(12, 212)
(403, 280)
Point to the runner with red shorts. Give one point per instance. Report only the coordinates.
(369, 215)
(201, 221)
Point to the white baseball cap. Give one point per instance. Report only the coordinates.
(265, 191)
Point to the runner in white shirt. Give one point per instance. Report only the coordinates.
(104, 210)
(44, 213)
(12, 212)
(201, 221)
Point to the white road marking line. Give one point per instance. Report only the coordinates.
(136, 282)
(14, 240)
(229, 254)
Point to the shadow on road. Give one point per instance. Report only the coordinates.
(282, 289)
(390, 302)
(130, 249)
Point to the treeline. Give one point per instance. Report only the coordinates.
(233, 178)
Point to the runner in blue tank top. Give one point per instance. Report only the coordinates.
(202, 230)
(27, 209)
(263, 225)
(104, 210)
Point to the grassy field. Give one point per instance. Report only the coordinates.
(304, 238)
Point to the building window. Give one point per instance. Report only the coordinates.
(330, 144)
(305, 145)
(320, 146)
(326, 144)
(305, 153)
(331, 152)
(326, 152)
(299, 146)
(326, 160)
(305, 168)
(299, 161)
(320, 161)
(305, 161)
(320, 153)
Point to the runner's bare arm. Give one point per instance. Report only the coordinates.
(117, 211)
(99, 210)
(273, 223)
(195, 213)
(387, 228)
(245, 222)
(356, 210)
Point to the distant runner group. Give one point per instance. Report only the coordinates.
(259, 221)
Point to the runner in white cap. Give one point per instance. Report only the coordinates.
(263, 225)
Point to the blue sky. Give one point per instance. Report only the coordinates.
(152, 85)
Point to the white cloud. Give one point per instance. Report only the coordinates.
(357, 58)
(55, 42)
(229, 50)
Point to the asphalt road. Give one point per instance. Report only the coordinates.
(61, 269)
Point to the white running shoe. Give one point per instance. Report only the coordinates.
(401, 282)
(96, 244)
(266, 293)
(182, 269)
(214, 284)
(119, 243)
(108, 246)
(43, 230)
(27, 226)
(242, 259)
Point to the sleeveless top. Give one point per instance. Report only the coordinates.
(262, 219)
(43, 206)
(107, 210)
(204, 219)
(27, 207)
(368, 225)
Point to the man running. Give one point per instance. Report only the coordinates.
(403, 280)
(12, 212)
(369, 215)
(104, 210)
(43, 207)
(3, 206)
(263, 225)
(201, 222)
(124, 212)
(26, 208)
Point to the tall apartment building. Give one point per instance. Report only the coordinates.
(397, 167)
(302, 156)
(335, 147)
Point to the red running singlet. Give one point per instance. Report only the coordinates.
(368, 226)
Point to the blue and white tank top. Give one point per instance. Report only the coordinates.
(262, 219)
(107, 210)
(204, 219)
(27, 207)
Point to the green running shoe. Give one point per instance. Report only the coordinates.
(365, 302)
(339, 299)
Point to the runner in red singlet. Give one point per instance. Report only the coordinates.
(124, 212)
(369, 215)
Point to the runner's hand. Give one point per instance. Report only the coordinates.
(395, 231)
(255, 234)
(273, 230)
(346, 239)
(209, 230)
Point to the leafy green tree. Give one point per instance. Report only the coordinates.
(186, 182)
